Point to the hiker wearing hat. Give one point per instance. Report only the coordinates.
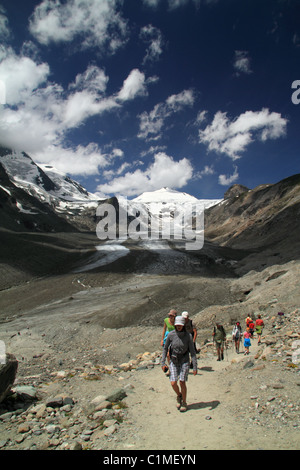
(168, 325)
(219, 337)
(190, 328)
(179, 343)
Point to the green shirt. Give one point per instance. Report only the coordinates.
(168, 324)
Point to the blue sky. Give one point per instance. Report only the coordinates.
(131, 96)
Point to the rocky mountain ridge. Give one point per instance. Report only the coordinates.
(264, 220)
(80, 334)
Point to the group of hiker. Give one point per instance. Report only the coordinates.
(219, 335)
(179, 347)
(248, 334)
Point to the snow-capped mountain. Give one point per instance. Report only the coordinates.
(165, 212)
(68, 199)
(172, 197)
(50, 187)
(42, 181)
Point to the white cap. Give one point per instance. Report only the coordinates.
(179, 321)
(185, 314)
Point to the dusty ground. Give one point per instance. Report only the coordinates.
(57, 323)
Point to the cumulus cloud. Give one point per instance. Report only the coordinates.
(133, 86)
(153, 38)
(4, 26)
(242, 62)
(226, 180)
(84, 160)
(207, 170)
(21, 76)
(97, 23)
(38, 113)
(152, 123)
(233, 137)
(163, 171)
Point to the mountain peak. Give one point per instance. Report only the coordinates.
(164, 194)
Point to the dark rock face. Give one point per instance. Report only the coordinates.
(258, 218)
(8, 373)
(235, 190)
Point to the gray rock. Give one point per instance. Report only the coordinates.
(26, 392)
(75, 446)
(248, 364)
(116, 395)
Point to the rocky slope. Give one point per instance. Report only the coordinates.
(82, 386)
(265, 216)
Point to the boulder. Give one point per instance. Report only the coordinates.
(8, 372)
(116, 395)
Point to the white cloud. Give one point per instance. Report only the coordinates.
(225, 180)
(177, 3)
(92, 79)
(97, 23)
(178, 102)
(151, 3)
(207, 170)
(133, 86)
(173, 4)
(4, 27)
(153, 37)
(164, 171)
(233, 137)
(21, 76)
(201, 117)
(82, 160)
(242, 62)
(152, 123)
(38, 114)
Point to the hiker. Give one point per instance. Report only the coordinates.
(168, 325)
(259, 324)
(248, 320)
(247, 342)
(219, 337)
(236, 336)
(180, 344)
(251, 328)
(190, 327)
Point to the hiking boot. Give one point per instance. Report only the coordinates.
(179, 401)
(183, 407)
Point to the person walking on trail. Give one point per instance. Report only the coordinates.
(259, 324)
(247, 342)
(180, 344)
(251, 328)
(168, 325)
(219, 337)
(236, 336)
(190, 327)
